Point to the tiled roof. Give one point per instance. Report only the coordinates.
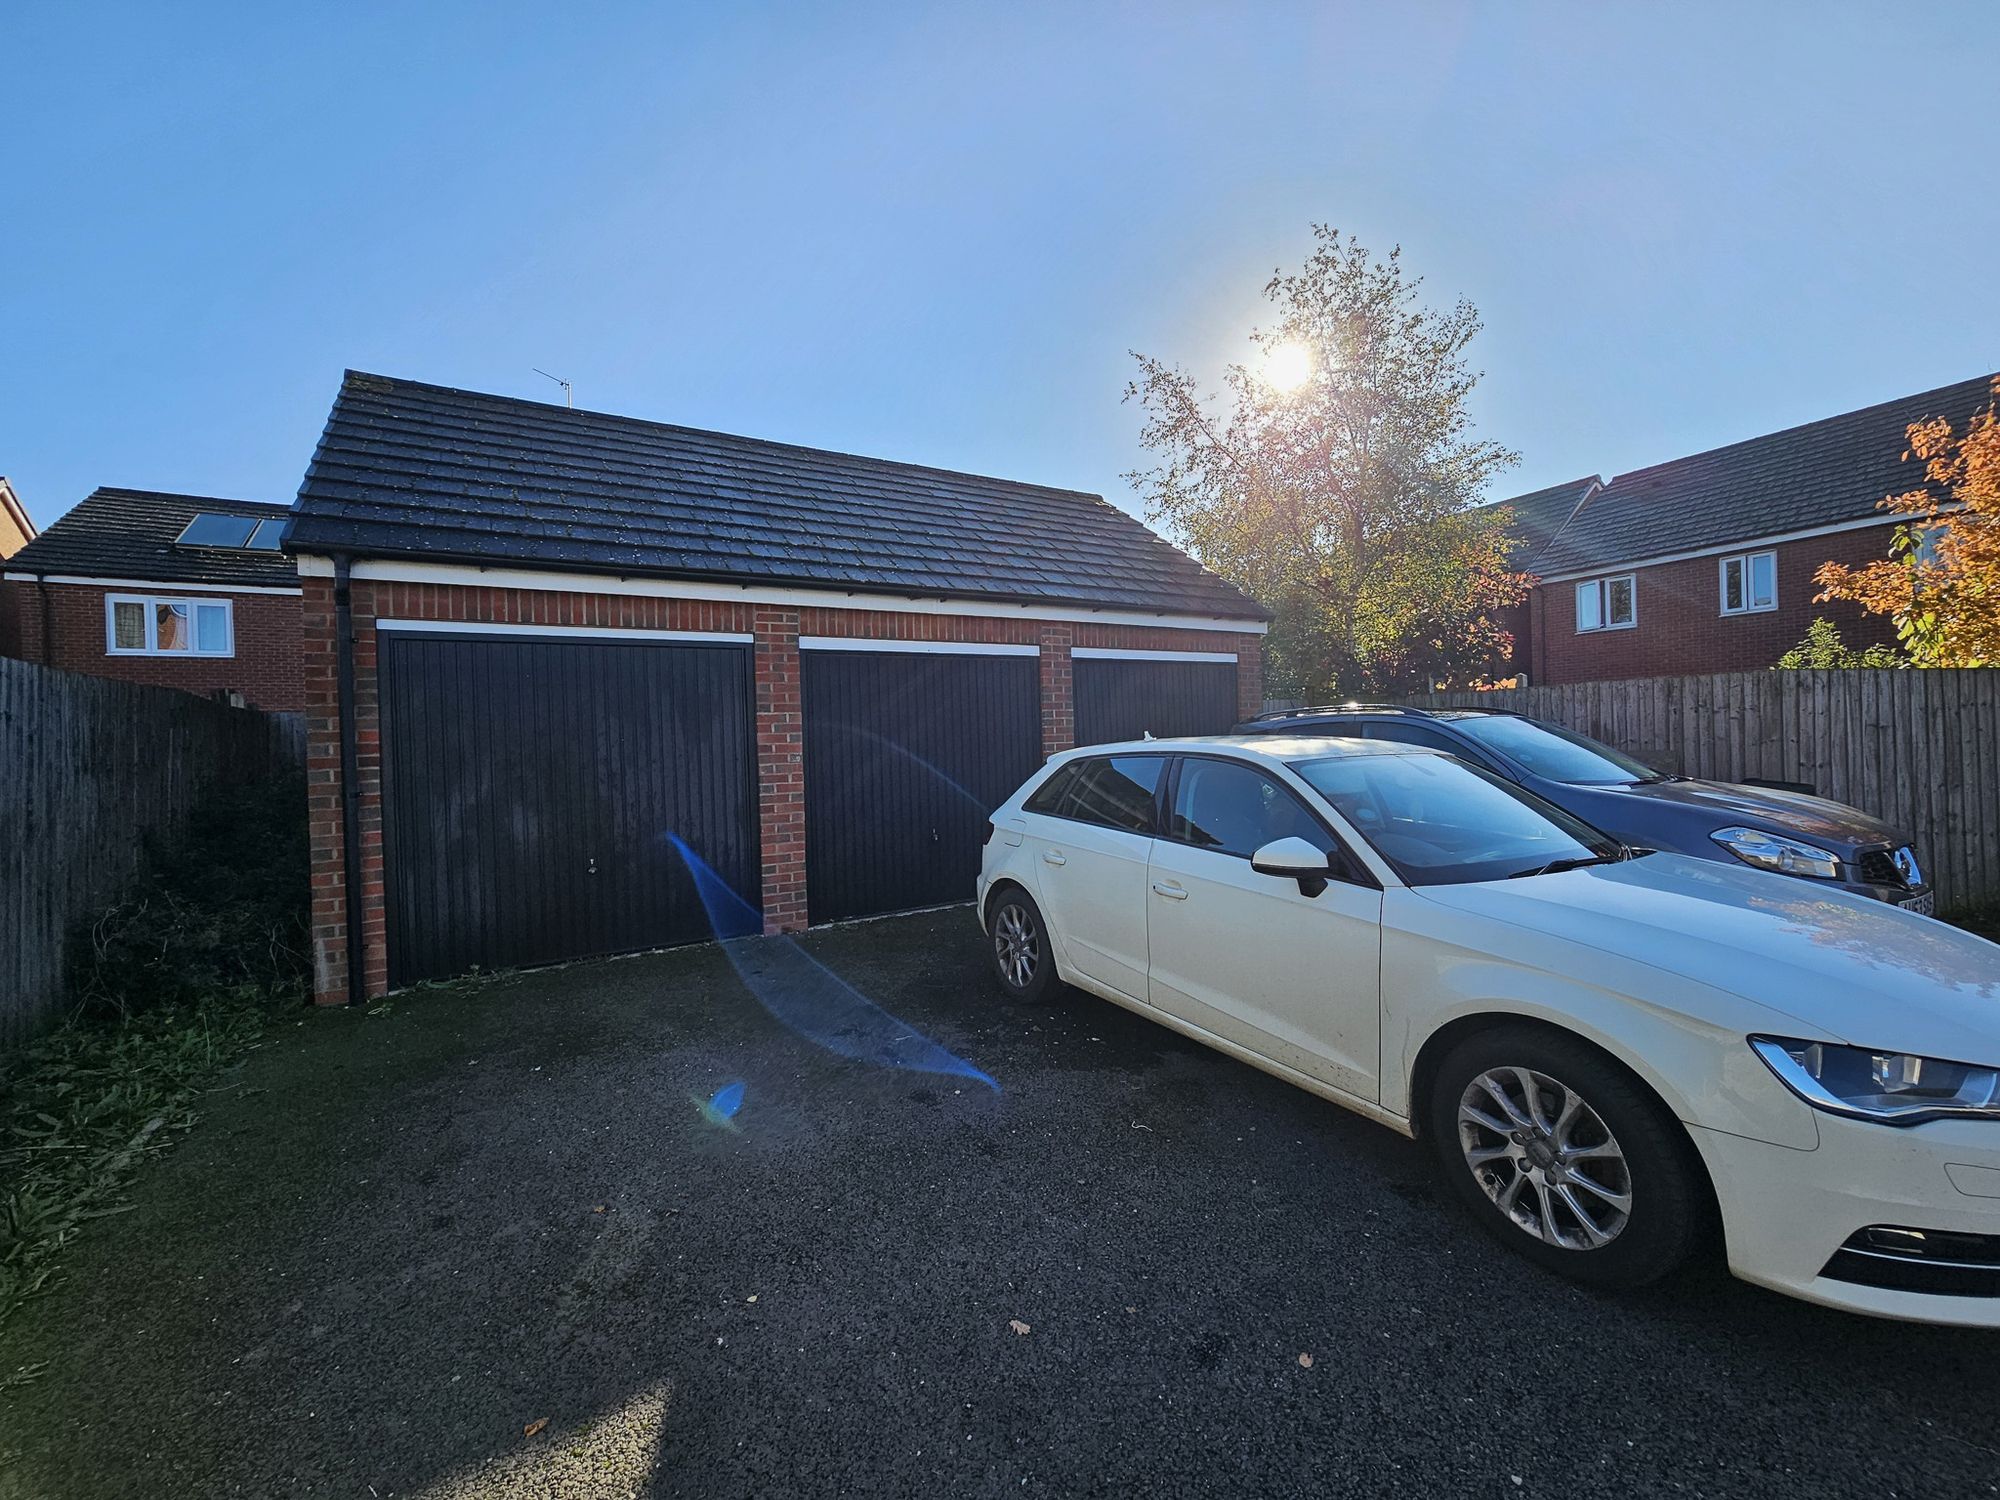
(1821, 474)
(422, 471)
(1540, 514)
(130, 534)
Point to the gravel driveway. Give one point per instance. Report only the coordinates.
(401, 1238)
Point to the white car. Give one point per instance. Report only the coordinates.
(1607, 1047)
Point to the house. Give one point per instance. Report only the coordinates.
(16, 531)
(1706, 563)
(581, 684)
(185, 591)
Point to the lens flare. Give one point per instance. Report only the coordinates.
(720, 1109)
(806, 996)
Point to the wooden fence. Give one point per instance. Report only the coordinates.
(1919, 749)
(88, 768)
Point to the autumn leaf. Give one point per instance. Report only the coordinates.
(1305, 1361)
(1017, 1325)
(534, 1427)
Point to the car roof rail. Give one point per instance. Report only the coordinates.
(1341, 708)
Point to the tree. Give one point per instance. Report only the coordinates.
(1824, 649)
(1340, 486)
(1942, 579)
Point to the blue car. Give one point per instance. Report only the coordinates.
(1790, 832)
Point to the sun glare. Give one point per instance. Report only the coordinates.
(1287, 367)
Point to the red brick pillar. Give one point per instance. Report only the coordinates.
(317, 652)
(322, 711)
(781, 773)
(1058, 690)
(1250, 677)
(368, 761)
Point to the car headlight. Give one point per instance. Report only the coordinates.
(1897, 1088)
(1771, 851)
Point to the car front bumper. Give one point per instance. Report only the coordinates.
(1786, 1214)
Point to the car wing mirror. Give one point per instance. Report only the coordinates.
(1294, 859)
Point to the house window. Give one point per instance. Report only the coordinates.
(1749, 583)
(141, 625)
(1607, 604)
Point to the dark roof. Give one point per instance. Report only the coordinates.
(1540, 514)
(1821, 474)
(423, 471)
(130, 534)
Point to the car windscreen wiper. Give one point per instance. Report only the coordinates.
(1576, 862)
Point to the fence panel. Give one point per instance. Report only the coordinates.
(1919, 749)
(88, 768)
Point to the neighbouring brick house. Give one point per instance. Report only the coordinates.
(16, 531)
(582, 684)
(1706, 563)
(184, 591)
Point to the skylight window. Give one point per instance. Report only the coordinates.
(210, 529)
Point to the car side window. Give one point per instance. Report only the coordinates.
(1412, 734)
(1235, 809)
(1114, 791)
(1048, 797)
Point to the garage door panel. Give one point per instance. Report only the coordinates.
(530, 785)
(1127, 699)
(906, 755)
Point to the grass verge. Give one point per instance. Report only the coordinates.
(168, 988)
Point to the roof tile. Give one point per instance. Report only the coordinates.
(424, 471)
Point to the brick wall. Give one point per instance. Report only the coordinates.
(779, 720)
(62, 625)
(1681, 627)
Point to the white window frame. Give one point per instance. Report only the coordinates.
(147, 605)
(1745, 561)
(1602, 586)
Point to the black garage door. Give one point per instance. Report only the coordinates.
(1127, 699)
(532, 790)
(905, 756)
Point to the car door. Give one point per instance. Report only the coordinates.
(1092, 836)
(1253, 958)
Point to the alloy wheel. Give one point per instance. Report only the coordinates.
(1016, 945)
(1545, 1158)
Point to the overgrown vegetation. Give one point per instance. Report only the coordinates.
(1824, 650)
(169, 987)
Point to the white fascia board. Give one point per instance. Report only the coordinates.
(579, 632)
(389, 570)
(149, 585)
(1118, 653)
(941, 648)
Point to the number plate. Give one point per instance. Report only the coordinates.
(1924, 905)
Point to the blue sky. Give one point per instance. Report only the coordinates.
(933, 232)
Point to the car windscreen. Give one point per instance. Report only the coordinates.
(1556, 753)
(1439, 821)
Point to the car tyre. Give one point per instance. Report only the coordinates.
(1595, 1179)
(1018, 947)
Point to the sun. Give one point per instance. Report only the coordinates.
(1287, 367)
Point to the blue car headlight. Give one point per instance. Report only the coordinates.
(1772, 851)
(1896, 1088)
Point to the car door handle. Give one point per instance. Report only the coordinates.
(1171, 892)
(1054, 857)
